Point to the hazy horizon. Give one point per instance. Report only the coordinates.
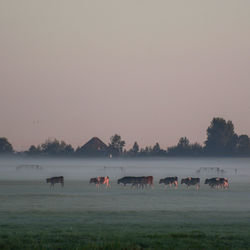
(151, 71)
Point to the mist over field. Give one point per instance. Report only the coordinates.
(24, 187)
(84, 169)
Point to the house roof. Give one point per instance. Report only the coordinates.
(94, 145)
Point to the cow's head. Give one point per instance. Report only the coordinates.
(161, 181)
(92, 180)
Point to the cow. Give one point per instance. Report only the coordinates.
(150, 180)
(143, 181)
(169, 181)
(100, 180)
(217, 182)
(53, 180)
(140, 181)
(126, 180)
(190, 181)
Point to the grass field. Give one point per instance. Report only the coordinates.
(124, 230)
(80, 217)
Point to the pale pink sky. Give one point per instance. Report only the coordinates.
(152, 71)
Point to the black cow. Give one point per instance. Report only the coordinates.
(190, 181)
(169, 181)
(53, 180)
(126, 180)
(140, 181)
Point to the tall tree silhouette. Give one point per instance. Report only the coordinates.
(221, 138)
(5, 146)
(116, 145)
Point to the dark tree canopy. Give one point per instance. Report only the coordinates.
(183, 142)
(136, 148)
(5, 146)
(243, 146)
(55, 147)
(133, 151)
(116, 145)
(184, 148)
(156, 148)
(33, 150)
(221, 138)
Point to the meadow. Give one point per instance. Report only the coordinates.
(79, 216)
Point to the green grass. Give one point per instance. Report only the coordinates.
(124, 230)
(80, 217)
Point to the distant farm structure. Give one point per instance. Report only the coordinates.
(29, 166)
(207, 171)
(93, 148)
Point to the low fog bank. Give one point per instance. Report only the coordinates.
(83, 169)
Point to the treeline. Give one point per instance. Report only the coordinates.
(221, 141)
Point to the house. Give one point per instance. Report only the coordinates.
(94, 147)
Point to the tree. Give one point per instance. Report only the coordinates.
(116, 145)
(183, 142)
(184, 148)
(69, 149)
(135, 148)
(243, 145)
(55, 147)
(5, 146)
(156, 148)
(221, 138)
(33, 150)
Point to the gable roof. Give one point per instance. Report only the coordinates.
(94, 146)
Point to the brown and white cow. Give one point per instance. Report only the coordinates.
(100, 180)
(217, 182)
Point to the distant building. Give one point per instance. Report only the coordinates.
(94, 147)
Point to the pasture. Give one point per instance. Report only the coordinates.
(79, 216)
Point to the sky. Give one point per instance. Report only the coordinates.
(151, 71)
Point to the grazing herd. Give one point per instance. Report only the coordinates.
(147, 181)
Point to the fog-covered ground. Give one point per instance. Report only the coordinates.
(23, 186)
(83, 169)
